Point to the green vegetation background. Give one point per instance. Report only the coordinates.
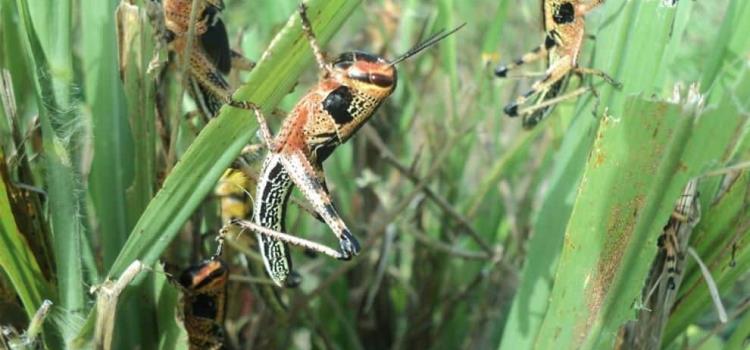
(477, 234)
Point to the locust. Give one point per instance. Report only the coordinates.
(564, 32)
(349, 91)
(674, 238)
(210, 56)
(204, 297)
(659, 294)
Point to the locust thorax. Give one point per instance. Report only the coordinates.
(365, 72)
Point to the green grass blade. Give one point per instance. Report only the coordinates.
(448, 50)
(738, 339)
(62, 182)
(11, 43)
(112, 165)
(636, 170)
(532, 297)
(730, 44)
(172, 334)
(52, 21)
(122, 167)
(139, 87)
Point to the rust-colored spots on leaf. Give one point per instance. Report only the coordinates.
(599, 158)
(597, 155)
(681, 166)
(620, 228)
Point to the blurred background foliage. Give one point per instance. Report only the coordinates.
(477, 234)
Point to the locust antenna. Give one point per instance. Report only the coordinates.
(432, 40)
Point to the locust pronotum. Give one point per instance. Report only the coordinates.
(349, 91)
(564, 28)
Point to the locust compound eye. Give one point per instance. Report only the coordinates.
(381, 80)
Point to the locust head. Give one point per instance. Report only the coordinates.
(208, 275)
(373, 74)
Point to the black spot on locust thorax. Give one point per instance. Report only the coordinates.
(565, 13)
(337, 104)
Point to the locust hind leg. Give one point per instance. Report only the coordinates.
(554, 74)
(534, 114)
(286, 238)
(668, 242)
(536, 54)
(305, 176)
